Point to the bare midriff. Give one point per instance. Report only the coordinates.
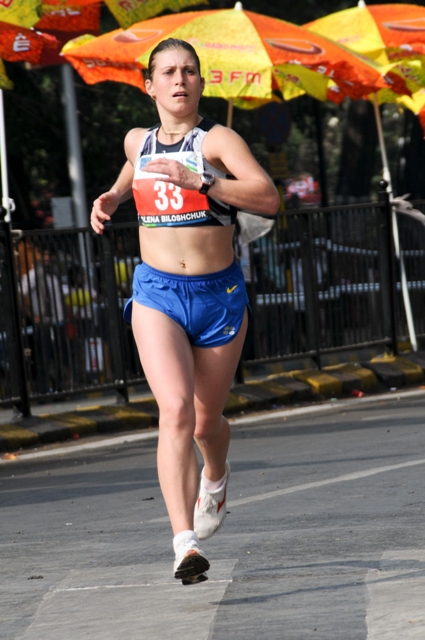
(187, 251)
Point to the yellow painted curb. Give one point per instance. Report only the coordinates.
(18, 437)
(281, 391)
(412, 371)
(236, 403)
(129, 415)
(76, 424)
(319, 381)
(367, 379)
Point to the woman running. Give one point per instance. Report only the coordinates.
(189, 176)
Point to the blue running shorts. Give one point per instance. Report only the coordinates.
(210, 307)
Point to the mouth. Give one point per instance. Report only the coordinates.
(180, 94)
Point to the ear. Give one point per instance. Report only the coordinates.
(202, 84)
(149, 89)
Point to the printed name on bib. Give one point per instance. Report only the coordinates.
(161, 203)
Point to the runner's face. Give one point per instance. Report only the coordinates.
(175, 83)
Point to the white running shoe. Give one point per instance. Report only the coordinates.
(190, 563)
(210, 509)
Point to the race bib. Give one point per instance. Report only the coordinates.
(161, 203)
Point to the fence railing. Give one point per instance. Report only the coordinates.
(321, 281)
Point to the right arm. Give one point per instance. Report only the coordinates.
(107, 203)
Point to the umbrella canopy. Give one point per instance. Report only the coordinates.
(244, 55)
(128, 12)
(416, 103)
(18, 44)
(5, 83)
(384, 32)
(387, 32)
(24, 13)
(67, 20)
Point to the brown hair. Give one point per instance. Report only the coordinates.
(170, 43)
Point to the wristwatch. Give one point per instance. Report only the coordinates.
(208, 180)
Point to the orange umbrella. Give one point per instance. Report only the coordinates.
(387, 32)
(243, 55)
(381, 31)
(69, 15)
(24, 13)
(127, 12)
(18, 44)
(66, 19)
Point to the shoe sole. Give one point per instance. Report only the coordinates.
(191, 568)
(201, 577)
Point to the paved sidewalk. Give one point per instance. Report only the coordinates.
(77, 419)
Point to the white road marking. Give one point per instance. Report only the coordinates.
(338, 404)
(130, 586)
(396, 597)
(356, 475)
(85, 446)
(151, 604)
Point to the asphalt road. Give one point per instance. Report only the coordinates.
(325, 538)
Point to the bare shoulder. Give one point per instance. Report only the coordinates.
(132, 142)
(227, 150)
(219, 135)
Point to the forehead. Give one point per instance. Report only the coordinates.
(172, 57)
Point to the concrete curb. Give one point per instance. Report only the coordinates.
(277, 389)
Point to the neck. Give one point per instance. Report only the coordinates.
(173, 128)
(182, 132)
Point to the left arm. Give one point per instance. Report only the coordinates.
(253, 188)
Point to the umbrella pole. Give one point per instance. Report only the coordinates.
(75, 158)
(3, 162)
(399, 255)
(229, 113)
(385, 168)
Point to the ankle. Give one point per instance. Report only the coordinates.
(212, 485)
(183, 537)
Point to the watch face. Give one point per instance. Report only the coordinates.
(208, 179)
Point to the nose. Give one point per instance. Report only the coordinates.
(179, 77)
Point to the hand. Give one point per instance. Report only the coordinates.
(175, 172)
(103, 208)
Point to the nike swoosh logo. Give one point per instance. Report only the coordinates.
(230, 289)
(220, 504)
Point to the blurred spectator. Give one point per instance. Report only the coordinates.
(43, 303)
(80, 301)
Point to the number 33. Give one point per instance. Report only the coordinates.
(163, 201)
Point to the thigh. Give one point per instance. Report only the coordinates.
(215, 369)
(165, 354)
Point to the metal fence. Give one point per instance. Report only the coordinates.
(321, 281)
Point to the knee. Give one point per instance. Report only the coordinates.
(207, 427)
(177, 414)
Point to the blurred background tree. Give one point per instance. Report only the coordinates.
(36, 139)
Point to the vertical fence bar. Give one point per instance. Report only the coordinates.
(12, 319)
(114, 317)
(390, 252)
(312, 311)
